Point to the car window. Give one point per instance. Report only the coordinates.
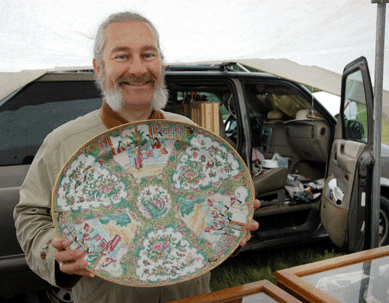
(200, 98)
(186, 102)
(263, 98)
(354, 109)
(38, 108)
(187, 99)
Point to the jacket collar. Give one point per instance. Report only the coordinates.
(112, 119)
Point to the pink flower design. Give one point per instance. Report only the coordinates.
(157, 203)
(101, 189)
(157, 246)
(189, 175)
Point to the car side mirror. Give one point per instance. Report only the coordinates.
(354, 130)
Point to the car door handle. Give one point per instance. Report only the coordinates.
(342, 147)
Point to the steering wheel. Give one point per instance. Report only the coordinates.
(231, 128)
(256, 126)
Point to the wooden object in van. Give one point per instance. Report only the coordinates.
(206, 114)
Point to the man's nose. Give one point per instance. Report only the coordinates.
(137, 66)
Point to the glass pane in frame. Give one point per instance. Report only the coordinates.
(259, 297)
(360, 282)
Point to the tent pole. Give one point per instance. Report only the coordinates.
(378, 90)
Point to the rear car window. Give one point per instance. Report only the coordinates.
(34, 111)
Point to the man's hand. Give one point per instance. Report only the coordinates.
(253, 225)
(68, 260)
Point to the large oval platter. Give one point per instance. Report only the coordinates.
(154, 203)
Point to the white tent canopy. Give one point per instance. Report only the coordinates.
(306, 41)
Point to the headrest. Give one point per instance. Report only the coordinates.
(274, 114)
(306, 114)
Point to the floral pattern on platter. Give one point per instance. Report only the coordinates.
(204, 163)
(87, 184)
(153, 203)
(165, 255)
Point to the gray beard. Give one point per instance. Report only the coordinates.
(115, 100)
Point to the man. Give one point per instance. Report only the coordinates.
(128, 65)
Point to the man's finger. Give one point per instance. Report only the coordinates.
(257, 204)
(60, 244)
(68, 255)
(253, 225)
(75, 268)
(245, 239)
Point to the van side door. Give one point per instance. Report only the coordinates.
(347, 191)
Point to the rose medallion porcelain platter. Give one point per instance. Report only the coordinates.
(154, 203)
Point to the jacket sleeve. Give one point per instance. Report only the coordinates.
(33, 220)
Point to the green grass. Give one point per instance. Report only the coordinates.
(254, 266)
(385, 132)
(385, 124)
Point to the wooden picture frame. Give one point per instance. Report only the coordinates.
(337, 279)
(261, 291)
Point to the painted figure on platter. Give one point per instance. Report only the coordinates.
(163, 143)
(149, 146)
(156, 148)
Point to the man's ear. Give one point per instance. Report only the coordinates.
(97, 67)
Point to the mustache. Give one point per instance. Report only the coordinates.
(133, 80)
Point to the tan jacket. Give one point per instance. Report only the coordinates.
(35, 229)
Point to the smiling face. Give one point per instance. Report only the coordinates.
(131, 67)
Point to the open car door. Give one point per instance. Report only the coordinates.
(346, 194)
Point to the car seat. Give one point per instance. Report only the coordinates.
(309, 135)
(269, 186)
